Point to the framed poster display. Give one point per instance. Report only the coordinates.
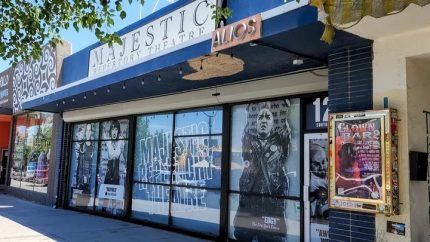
(363, 172)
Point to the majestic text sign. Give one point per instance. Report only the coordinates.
(180, 26)
(237, 33)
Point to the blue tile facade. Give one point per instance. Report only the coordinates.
(350, 89)
(350, 79)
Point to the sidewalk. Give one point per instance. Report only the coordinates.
(25, 221)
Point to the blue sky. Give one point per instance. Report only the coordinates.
(84, 38)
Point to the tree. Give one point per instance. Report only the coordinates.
(28, 25)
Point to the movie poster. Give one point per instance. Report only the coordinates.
(358, 164)
(112, 166)
(316, 156)
(83, 165)
(265, 169)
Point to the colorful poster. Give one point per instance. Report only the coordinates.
(316, 148)
(112, 166)
(358, 161)
(265, 169)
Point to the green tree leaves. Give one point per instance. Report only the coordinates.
(26, 26)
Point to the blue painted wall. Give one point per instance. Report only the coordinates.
(245, 8)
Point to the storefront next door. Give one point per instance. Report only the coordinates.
(232, 172)
(4, 159)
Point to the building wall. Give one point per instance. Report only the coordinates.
(4, 135)
(418, 83)
(390, 80)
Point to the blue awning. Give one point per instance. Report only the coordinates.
(285, 35)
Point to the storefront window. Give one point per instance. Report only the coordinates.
(265, 170)
(31, 151)
(152, 167)
(83, 165)
(112, 165)
(197, 170)
(189, 188)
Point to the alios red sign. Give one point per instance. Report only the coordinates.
(244, 31)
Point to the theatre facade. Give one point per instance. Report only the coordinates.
(219, 131)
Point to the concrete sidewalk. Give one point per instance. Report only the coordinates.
(25, 221)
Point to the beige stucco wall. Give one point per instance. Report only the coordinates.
(390, 79)
(418, 83)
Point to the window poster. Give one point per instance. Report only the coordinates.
(265, 169)
(315, 148)
(84, 165)
(112, 165)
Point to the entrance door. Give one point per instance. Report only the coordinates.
(316, 187)
(4, 159)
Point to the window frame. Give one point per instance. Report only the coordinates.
(225, 191)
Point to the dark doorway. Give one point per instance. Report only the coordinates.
(4, 160)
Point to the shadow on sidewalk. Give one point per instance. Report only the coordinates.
(21, 220)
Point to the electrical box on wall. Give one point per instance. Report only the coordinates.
(364, 162)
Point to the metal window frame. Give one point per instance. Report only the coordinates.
(225, 166)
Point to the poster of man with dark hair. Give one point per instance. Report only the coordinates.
(265, 149)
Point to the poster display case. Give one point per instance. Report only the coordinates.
(363, 161)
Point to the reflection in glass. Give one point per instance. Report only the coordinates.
(151, 202)
(199, 122)
(153, 148)
(18, 159)
(32, 145)
(263, 219)
(196, 209)
(197, 161)
(265, 145)
(83, 174)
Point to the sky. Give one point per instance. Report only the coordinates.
(84, 38)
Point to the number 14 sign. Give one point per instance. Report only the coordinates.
(317, 113)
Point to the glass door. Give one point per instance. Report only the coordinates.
(315, 187)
